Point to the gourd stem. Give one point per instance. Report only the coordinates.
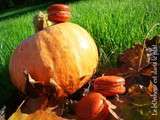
(41, 21)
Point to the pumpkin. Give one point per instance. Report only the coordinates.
(64, 56)
(58, 13)
(109, 85)
(93, 106)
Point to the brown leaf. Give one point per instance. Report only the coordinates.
(38, 115)
(36, 89)
(133, 106)
(150, 88)
(135, 65)
(154, 41)
(147, 71)
(131, 57)
(123, 71)
(135, 90)
(131, 76)
(35, 109)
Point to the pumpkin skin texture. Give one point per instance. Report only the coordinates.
(64, 54)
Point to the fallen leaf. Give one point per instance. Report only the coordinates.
(131, 57)
(133, 106)
(38, 115)
(154, 41)
(150, 88)
(35, 109)
(135, 65)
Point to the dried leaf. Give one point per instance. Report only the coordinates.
(136, 68)
(123, 71)
(35, 109)
(2, 113)
(135, 106)
(136, 90)
(150, 88)
(38, 115)
(135, 65)
(36, 89)
(147, 71)
(131, 57)
(154, 41)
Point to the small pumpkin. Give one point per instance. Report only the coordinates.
(92, 107)
(58, 13)
(109, 85)
(63, 55)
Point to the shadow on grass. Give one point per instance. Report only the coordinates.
(6, 87)
(10, 98)
(17, 12)
(22, 11)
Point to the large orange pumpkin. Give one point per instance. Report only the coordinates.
(64, 54)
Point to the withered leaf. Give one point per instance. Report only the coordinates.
(120, 71)
(150, 88)
(35, 89)
(38, 115)
(133, 106)
(154, 41)
(135, 65)
(147, 71)
(132, 56)
(35, 109)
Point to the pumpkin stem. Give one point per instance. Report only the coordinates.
(41, 21)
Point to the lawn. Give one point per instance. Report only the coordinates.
(114, 24)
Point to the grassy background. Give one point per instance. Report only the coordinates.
(114, 24)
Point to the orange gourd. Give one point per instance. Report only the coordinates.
(64, 55)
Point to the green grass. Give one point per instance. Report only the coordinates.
(114, 24)
(21, 10)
